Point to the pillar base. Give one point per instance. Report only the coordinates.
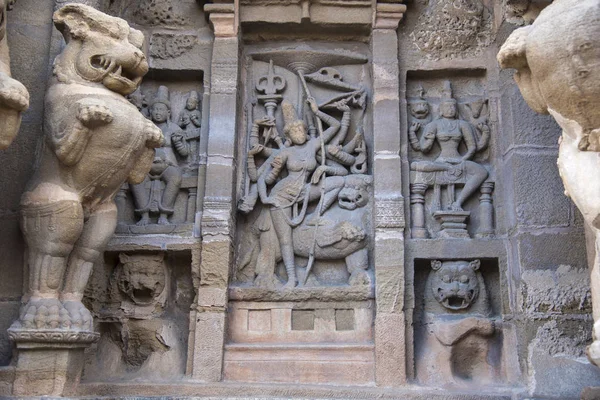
(50, 361)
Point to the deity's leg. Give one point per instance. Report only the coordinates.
(284, 234)
(141, 200)
(172, 178)
(476, 175)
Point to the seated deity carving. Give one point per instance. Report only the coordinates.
(14, 97)
(310, 185)
(95, 141)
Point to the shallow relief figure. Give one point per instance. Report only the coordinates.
(557, 59)
(95, 140)
(14, 97)
(150, 196)
(452, 167)
(310, 205)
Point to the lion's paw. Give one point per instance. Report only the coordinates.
(92, 115)
(359, 278)
(352, 233)
(154, 136)
(15, 97)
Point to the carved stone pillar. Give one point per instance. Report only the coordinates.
(389, 234)
(417, 201)
(217, 215)
(486, 211)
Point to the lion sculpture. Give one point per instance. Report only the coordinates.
(95, 140)
(557, 62)
(342, 234)
(14, 98)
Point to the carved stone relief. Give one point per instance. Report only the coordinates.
(446, 172)
(165, 202)
(95, 141)
(557, 59)
(448, 28)
(14, 97)
(299, 204)
(458, 340)
(141, 307)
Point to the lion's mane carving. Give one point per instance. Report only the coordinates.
(456, 286)
(95, 140)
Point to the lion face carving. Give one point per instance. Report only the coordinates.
(355, 193)
(100, 49)
(455, 284)
(142, 277)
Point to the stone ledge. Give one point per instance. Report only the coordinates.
(52, 338)
(330, 293)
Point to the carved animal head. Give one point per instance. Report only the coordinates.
(355, 193)
(557, 59)
(455, 284)
(143, 277)
(101, 50)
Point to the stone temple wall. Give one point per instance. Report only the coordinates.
(431, 248)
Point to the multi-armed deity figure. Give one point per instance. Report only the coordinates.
(149, 195)
(449, 131)
(95, 141)
(14, 98)
(303, 168)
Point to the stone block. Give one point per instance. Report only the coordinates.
(539, 198)
(208, 346)
(390, 349)
(216, 257)
(549, 251)
(48, 371)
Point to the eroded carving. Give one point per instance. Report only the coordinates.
(557, 59)
(14, 97)
(450, 27)
(95, 141)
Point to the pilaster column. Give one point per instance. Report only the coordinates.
(217, 224)
(390, 352)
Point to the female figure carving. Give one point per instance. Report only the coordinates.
(449, 131)
(303, 182)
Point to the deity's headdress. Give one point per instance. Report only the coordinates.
(290, 118)
(193, 96)
(162, 96)
(447, 93)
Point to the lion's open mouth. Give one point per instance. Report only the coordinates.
(455, 302)
(115, 70)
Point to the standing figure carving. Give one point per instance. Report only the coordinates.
(95, 141)
(14, 97)
(190, 121)
(449, 131)
(311, 182)
(557, 59)
(147, 195)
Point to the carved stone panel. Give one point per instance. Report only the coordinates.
(458, 333)
(451, 180)
(141, 304)
(165, 202)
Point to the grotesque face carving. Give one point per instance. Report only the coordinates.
(419, 109)
(100, 48)
(455, 284)
(355, 193)
(143, 277)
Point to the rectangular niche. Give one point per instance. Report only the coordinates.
(451, 127)
(148, 208)
(458, 329)
(141, 303)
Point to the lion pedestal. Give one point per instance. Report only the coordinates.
(95, 141)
